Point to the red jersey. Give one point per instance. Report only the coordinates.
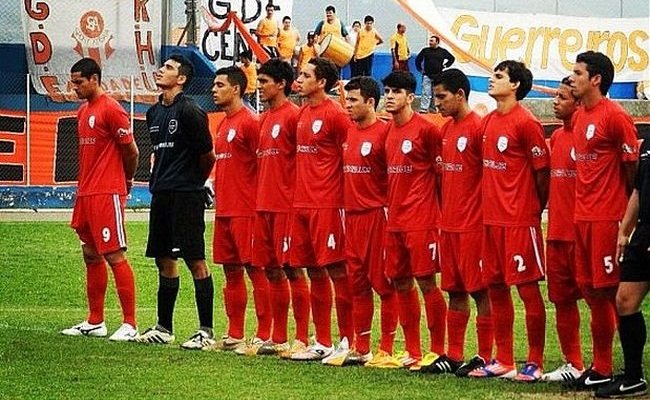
(276, 158)
(236, 166)
(320, 135)
(102, 126)
(561, 201)
(462, 168)
(513, 149)
(364, 167)
(411, 153)
(605, 138)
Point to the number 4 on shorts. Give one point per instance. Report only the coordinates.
(331, 242)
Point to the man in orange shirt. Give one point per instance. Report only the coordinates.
(364, 50)
(267, 32)
(308, 50)
(250, 70)
(288, 38)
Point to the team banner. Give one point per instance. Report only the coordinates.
(123, 37)
(222, 47)
(548, 44)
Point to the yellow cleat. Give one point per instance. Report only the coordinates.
(383, 360)
(296, 347)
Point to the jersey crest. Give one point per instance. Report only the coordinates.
(173, 126)
(231, 135)
(366, 148)
(275, 131)
(591, 130)
(461, 144)
(407, 146)
(91, 121)
(316, 125)
(502, 143)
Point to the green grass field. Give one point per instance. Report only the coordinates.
(42, 291)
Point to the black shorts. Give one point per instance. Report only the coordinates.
(177, 226)
(635, 266)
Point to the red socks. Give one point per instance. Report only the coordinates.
(568, 331)
(535, 321)
(235, 298)
(300, 305)
(96, 282)
(262, 301)
(280, 306)
(344, 307)
(436, 310)
(125, 285)
(409, 317)
(504, 318)
(456, 326)
(321, 306)
(363, 313)
(485, 336)
(389, 315)
(603, 327)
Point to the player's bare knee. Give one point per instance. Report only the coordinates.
(337, 270)
(316, 273)
(426, 283)
(294, 273)
(198, 268)
(274, 274)
(90, 254)
(458, 301)
(115, 257)
(403, 284)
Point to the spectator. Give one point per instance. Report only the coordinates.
(267, 32)
(288, 39)
(331, 24)
(399, 49)
(431, 61)
(364, 49)
(308, 50)
(250, 70)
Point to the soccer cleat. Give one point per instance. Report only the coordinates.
(86, 329)
(407, 361)
(475, 363)
(296, 347)
(622, 387)
(251, 348)
(441, 365)
(199, 341)
(565, 373)
(590, 380)
(270, 349)
(356, 358)
(337, 358)
(494, 370)
(229, 343)
(125, 333)
(383, 360)
(530, 373)
(157, 335)
(425, 362)
(314, 352)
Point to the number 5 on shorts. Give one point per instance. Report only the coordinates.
(608, 264)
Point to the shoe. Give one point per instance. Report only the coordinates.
(125, 333)
(200, 340)
(494, 370)
(426, 362)
(314, 352)
(156, 334)
(337, 358)
(383, 360)
(590, 380)
(251, 348)
(475, 363)
(296, 347)
(441, 365)
(270, 349)
(623, 387)
(530, 373)
(566, 373)
(229, 343)
(407, 361)
(356, 358)
(86, 329)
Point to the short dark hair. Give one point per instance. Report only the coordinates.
(286, 17)
(356, 22)
(246, 54)
(185, 67)
(279, 71)
(435, 37)
(453, 80)
(325, 69)
(399, 25)
(269, 5)
(330, 8)
(517, 72)
(367, 86)
(598, 64)
(567, 82)
(368, 18)
(87, 67)
(235, 76)
(400, 80)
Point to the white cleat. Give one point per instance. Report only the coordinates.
(86, 329)
(566, 373)
(156, 335)
(314, 352)
(125, 333)
(337, 358)
(199, 341)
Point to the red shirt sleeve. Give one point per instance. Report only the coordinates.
(535, 144)
(120, 125)
(622, 128)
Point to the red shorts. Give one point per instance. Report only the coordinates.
(270, 239)
(364, 250)
(561, 271)
(460, 261)
(412, 254)
(596, 264)
(512, 255)
(99, 221)
(316, 238)
(232, 241)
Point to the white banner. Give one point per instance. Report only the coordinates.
(223, 48)
(548, 44)
(124, 37)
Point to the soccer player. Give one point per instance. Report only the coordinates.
(235, 185)
(183, 160)
(606, 153)
(563, 289)
(461, 225)
(317, 228)
(267, 31)
(412, 148)
(108, 158)
(515, 190)
(276, 170)
(634, 286)
(364, 168)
